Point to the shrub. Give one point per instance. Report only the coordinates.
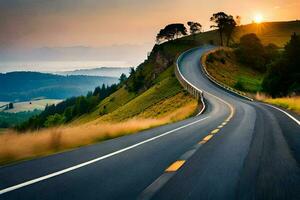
(210, 58)
(251, 52)
(239, 85)
(283, 75)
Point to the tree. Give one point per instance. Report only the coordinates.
(251, 52)
(54, 120)
(10, 105)
(225, 24)
(283, 75)
(171, 32)
(220, 19)
(122, 78)
(229, 28)
(195, 27)
(97, 91)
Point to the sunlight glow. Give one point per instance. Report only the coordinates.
(258, 18)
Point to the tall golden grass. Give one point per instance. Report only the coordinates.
(291, 103)
(15, 146)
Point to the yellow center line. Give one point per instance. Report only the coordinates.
(215, 131)
(224, 123)
(175, 166)
(207, 137)
(202, 142)
(221, 126)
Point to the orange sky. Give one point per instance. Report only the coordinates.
(121, 31)
(102, 23)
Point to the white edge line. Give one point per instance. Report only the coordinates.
(177, 65)
(289, 115)
(212, 79)
(219, 84)
(201, 92)
(30, 182)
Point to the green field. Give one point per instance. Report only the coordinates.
(32, 105)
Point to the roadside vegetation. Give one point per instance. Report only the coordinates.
(252, 67)
(9, 120)
(290, 103)
(149, 97)
(223, 66)
(15, 146)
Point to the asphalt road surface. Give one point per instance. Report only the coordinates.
(237, 149)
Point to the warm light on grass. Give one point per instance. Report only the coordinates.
(290, 103)
(14, 146)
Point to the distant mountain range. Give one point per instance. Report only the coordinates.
(102, 71)
(24, 86)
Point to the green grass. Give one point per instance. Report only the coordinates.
(108, 105)
(233, 73)
(123, 105)
(166, 86)
(160, 91)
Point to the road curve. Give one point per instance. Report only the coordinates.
(237, 149)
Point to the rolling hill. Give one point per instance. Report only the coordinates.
(24, 86)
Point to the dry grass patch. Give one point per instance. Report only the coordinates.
(290, 103)
(14, 146)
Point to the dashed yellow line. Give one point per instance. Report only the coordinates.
(224, 123)
(215, 131)
(207, 138)
(202, 142)
(175, 166)
(221, 126)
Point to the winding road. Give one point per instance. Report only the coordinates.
(236, 149)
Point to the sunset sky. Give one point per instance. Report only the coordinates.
(28, 25)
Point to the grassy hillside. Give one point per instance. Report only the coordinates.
(223, 66)
(123, 105)
(269, 32)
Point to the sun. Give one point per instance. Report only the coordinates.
(258, 18)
